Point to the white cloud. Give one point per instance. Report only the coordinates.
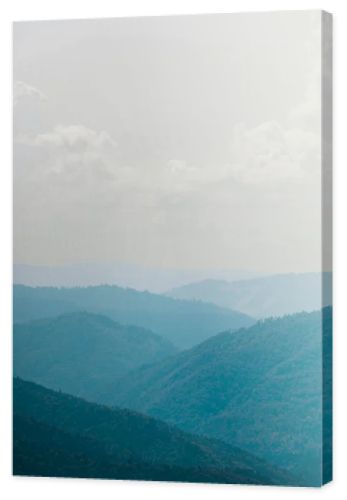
(79, 160)
(269, 154)
(74, 137)
(71, 151)
(272, 154)
(22, 90)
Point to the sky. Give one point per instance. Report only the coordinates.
(186, 142)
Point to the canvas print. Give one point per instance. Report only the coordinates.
(172, 299)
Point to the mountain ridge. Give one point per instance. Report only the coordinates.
(184, 323)
(273, 295)
(260, 386)
(83, 353)
(65, 429)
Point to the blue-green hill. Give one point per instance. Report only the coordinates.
(60, 435)
(83, 353)
(181, 322)
(259, 388)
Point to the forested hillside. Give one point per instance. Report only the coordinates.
(259, 388)
(83, 353)
(181, 322)
(60, 435)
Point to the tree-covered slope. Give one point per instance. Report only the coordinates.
(181, 322)
(60, 435)
(83, 353)
(259, 388)
(264, 296)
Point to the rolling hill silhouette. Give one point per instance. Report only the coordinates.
(264, 296)
(181, 322)
(83, 353)
(59, 435)
(259, 388)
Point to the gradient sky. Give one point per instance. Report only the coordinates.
(177, 142)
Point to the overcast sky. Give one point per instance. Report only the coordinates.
(177, 142)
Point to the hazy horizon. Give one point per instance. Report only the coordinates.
(122, 274)
(154, 280)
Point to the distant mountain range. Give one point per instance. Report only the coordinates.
(83, 353)
(259, 388)
(265, 296)
(183, 323)
(126, 275)
(60, 435)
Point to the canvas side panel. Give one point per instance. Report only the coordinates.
(327, 227)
